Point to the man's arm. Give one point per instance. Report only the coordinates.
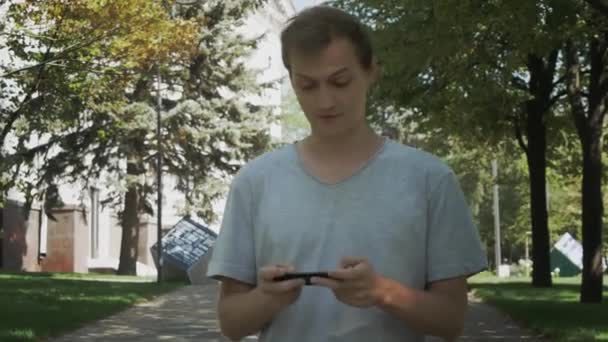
(244, 310)
(439, 311)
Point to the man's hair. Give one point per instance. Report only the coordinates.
(313, 29)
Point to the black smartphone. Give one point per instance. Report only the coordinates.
(307, 276)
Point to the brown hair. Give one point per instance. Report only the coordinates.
(314, 28)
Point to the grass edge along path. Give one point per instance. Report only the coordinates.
(36, 306)
(553, 312)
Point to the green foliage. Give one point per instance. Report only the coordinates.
(87, 96)
(71, 66)
(472, 72)
(461, 67)
(294, 125)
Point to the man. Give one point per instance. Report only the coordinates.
(388, 222)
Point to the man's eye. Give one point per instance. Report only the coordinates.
(307, 86)
(341, 84)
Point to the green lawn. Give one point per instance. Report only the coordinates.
(555, 312)
(38, 305)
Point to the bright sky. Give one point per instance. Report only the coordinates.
(303, 3)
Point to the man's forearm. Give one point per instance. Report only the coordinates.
(424, 311)
(244, 314)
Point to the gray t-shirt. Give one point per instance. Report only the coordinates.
(403, 210)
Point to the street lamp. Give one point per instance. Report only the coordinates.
(159, 182)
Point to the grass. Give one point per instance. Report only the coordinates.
(554, 312)
(39, 305)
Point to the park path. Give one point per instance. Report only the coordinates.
(188, 314)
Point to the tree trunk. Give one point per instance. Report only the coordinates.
(589, 123)
(541, 87)
(541, 269)
(591, 288)
(593, 209)
(130, 226)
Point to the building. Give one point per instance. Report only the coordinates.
(85, 236)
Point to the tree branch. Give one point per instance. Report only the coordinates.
(42, 148)
(573, 87)
(519, 135)
(556, 98)
(598, 83)
(552, 61)
(603, 86)
(599, 6)
(559, 81)
(519, 83)
(28, 97)
(58, 56)
(33, 88)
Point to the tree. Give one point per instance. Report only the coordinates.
(66, 68)
(472, 166)
(479, 70)
(83, 56)
(210, 125)
(294, 125)
(598, 5)
(586, 57)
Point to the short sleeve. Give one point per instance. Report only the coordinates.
(453, 246)
(233, 254)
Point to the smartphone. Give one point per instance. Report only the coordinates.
(307, 276)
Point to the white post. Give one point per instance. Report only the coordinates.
(527, 250)
(497, 254)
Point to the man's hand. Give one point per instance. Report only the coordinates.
(244, 309)
(282, 293)
(354, 283)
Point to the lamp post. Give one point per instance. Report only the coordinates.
(159, 182)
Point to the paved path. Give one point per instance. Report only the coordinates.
(188, 314)
(485, 323)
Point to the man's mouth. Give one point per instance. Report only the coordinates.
(329, 116)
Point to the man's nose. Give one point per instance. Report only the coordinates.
(325, 98)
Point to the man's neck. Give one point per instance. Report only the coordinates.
(354, 144)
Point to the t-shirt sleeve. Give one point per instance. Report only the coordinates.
(453, 246)
(233, 254)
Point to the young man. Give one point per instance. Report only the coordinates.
(388, 222)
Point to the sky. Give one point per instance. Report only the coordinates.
(299, 4)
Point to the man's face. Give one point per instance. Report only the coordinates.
(331, 87)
